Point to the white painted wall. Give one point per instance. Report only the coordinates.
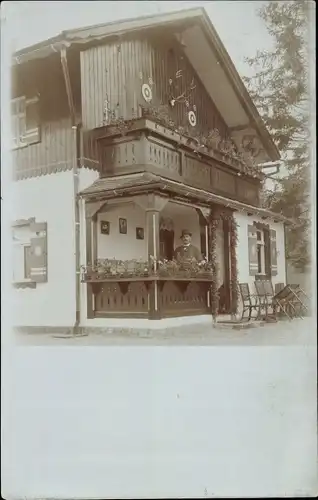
(117, 245)
(49, 199)
(243, 221)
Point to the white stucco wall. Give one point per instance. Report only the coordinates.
(243, 221)
(117, 245)
(48, 198)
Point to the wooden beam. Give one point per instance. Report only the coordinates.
(68, 85)
(153, 248)
(238, 128)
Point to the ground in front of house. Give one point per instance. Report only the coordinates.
(283, 333)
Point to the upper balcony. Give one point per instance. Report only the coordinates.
(144, 144)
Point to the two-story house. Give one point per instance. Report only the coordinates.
(124, 134)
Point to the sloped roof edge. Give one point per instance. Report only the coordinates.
(121, 185)
(88, 33)
(199, 14)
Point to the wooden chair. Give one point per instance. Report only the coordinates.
(249, 301)
(290, 301)
(269, 299)
(261, 297)
(296, 301)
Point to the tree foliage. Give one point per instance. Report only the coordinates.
(280, 90)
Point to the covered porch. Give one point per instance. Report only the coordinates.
(130, 239)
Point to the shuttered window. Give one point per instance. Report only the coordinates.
(262, 251)
(25, 121)
(252, 250)
(27, 268)
(38, 252)
(273, 252)
(30, 252)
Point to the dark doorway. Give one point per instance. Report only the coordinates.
(166, 238)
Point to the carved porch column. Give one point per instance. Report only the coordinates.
(152, 204)
(91, 211)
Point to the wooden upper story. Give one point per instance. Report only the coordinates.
(142, 97)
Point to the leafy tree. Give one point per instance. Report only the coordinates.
(280, 90)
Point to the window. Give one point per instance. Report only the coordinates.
(25, 121)
(21, 253)
(29, 252)
(27, 262)
(260, 250)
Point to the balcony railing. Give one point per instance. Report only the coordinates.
(131, 288)
(125, 270)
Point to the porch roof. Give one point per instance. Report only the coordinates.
(132, 184)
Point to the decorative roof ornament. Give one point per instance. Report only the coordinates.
(192, 118)
(146, 92)
(250, 145)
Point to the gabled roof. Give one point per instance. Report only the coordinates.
(203, 48)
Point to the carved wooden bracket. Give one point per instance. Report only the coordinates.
(123, 286)
(150, 202)
(96, 287)
(92, 208)
(205, 212)
(182, 285)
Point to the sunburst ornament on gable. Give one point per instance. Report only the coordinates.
(146, 92)
(192, 118)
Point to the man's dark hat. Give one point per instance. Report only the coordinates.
(184, 232)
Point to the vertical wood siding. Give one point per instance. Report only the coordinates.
(53, 153)
(116, 71)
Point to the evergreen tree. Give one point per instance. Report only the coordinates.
(280, 90)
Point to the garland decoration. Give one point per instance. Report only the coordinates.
(234, 288)
(113, 268)
(213, 223)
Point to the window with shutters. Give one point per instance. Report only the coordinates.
(260, 252)
(29, 252)
(25, 121)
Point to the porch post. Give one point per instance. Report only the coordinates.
(213, 223)
(227, 264)
(204, 214)
(153, 204)
(89, 261)
(91, 211)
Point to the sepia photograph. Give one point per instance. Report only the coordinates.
(192, 122)
(240, 253)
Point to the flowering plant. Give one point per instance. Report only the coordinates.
(114, 268)
(181, 267)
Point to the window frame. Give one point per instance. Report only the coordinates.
(22, 282)
(21, 135)
(17, 135)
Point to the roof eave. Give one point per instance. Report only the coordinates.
(85, 35)
(240, 87)
(157, 182)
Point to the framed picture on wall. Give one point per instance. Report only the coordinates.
(140, 233)
(123, 226)
(104, 227)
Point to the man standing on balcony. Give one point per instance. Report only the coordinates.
(187, 251)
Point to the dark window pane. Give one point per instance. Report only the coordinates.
(27, 258)
(259, 258)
